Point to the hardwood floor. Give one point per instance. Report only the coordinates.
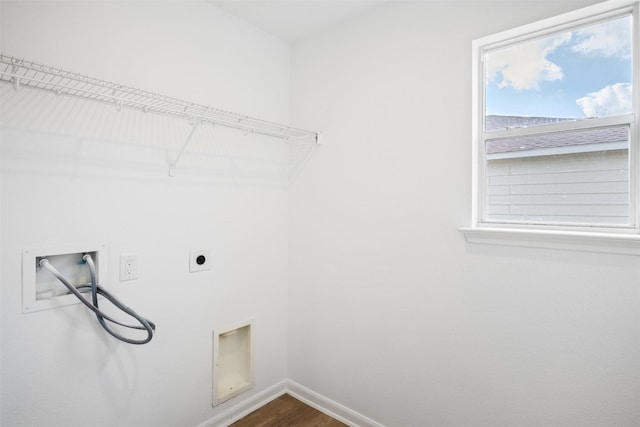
(287, 411)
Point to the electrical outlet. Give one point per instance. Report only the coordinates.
(128, 267)
(199, 260)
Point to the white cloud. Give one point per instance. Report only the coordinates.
(523, 67)
(611, 39)
(610, 100)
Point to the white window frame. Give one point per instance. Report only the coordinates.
(596, 238)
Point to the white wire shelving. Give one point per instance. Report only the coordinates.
(22, 73)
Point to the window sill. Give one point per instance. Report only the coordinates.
(624, 244)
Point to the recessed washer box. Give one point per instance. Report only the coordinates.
(199, 260)
(41, 290)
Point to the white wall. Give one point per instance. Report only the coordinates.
(75, 172)
(392, 313)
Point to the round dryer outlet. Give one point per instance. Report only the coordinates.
(199, 260)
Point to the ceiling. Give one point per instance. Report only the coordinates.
(293, 20)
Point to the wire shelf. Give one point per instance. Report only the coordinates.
(20, 73)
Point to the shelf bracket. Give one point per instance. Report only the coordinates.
(16, 79)
(172, 168)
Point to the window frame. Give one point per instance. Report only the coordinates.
(562, 23)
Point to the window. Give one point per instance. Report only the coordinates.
(555, 124)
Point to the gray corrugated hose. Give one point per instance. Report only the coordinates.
(96, 290)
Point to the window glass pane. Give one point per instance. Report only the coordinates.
(573, 75)
(574, 177)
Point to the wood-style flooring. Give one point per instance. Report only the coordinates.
(286, 411)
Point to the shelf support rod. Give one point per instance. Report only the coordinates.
(172, 168)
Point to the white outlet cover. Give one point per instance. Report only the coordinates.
(199, 260)
(128, 267)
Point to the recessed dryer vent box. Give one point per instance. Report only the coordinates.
(232, 362)
(41, 290)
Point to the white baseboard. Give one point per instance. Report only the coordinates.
(335, 410)
(329, 407)
(232, 414)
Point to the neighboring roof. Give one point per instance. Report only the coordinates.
(494, 122)
(556, 140)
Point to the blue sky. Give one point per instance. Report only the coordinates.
(583, 73)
